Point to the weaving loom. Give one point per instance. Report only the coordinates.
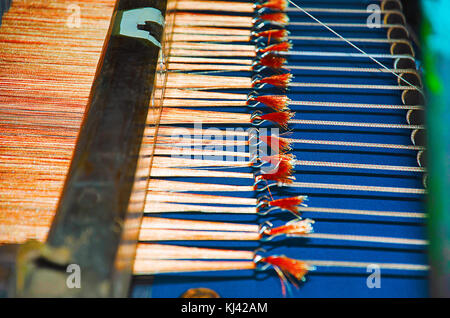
(227, 145)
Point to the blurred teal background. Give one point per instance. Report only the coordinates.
(436, 57)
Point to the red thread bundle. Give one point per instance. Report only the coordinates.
(276, 102)
(281, 173)
(276, 80)
(289, 204)
(277, 35)
(272, 61)
(278, 47)
(287, 268)
(279, 144)
(279, 118)
(294, 267)
(274, 5)
(280, 18)
(295, 228)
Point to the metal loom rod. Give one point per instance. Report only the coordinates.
(350, 86)
(331, 39)
(151, 267)
(199, 63)
(358, 166)
(164, 234)
(346, 25)
(164, 229)
(248, 7)
(288, 270)
(227, 38)
(177, 131)
(179, 151)
(165, 207)
(365, 265)
(354, 124)
(168, 166)
(232, 66)
(350, 187)
(163, 162)
(174, 252)
(244, 34)
(366, 239)
(344, 54)
(191, 81)
(352, 105)
(291, 141)
(247, 32)
(363, 212)
(183, 99)
(354, 144)
(339, 10)
(185, 19)
(233, 50)
(181, 157)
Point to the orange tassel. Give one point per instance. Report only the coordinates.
(289, 204)
(277, 143)
(272, 61)
(277, 35)
(276, 80)
(281, 173)
(294, 228)
(279, 118)
(293, 267)
(278, 47)
(276, 102)
(274, 5)
(280, 18)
